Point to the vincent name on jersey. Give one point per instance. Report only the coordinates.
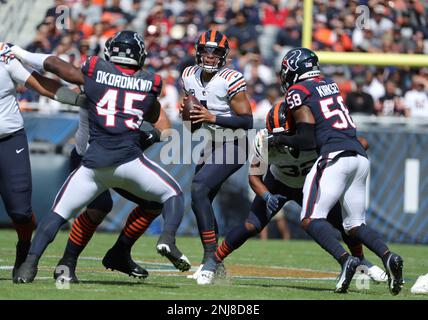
(328, 89)
(124, 82)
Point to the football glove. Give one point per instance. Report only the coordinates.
(5, 53)
(274, 203)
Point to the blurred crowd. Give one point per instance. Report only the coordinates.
(260, 33)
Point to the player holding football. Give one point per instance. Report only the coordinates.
(120, 97)
(285, 170)
(222, 93)
(340, 172)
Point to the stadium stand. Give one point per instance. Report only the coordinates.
(170, 28)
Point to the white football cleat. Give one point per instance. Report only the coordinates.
(208, 272)
(374, 272)
(205, 277)
(421, 285)
(194, 276)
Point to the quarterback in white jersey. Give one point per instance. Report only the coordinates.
(224, 104)
(216, 94)
(15, 169)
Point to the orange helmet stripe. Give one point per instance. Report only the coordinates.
(213, 34)
(203, 40)
(223, 40)
(276, 115)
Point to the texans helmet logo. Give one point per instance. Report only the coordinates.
(293, 59)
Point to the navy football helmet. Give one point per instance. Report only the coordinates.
(297, 65)
(212, 42)
(127, 47)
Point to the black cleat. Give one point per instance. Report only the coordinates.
(166, 247)
(121, 260)
(22, 248)
(394, 270)
(345, 277)
(65, 271)
(27, 271)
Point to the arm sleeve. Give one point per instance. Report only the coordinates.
(17, 71)
(244, 121)
(304, 139)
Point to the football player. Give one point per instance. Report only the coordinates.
(86, 223)
(15, 169)
(222, 93)
(340, 172)
(285, 170)
(120, 96)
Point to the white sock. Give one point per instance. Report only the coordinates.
(34, 60)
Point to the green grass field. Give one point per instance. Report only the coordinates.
(260, 270)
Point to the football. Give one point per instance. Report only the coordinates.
(188, 104)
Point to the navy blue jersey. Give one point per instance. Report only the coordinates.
(334, 128)
(116, 104)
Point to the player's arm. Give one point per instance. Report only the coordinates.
(304, 139)
(54, 90)
(256, 180)
(62, 69)
(153, 135)
(274, 202)
(44, 86)
(242, 119)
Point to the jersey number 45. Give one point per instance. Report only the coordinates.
(107, 107)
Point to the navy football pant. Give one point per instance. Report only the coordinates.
(220, 161)
(15, 177)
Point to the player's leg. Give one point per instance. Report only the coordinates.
(354, 245)
(323, 187)
(144, 182)
(353, 204)
(83, 227)
(15, 190)
(172, 213)
(82, 230)
(118, 257)
(206, 182)
(77, 191)
(257, 219)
